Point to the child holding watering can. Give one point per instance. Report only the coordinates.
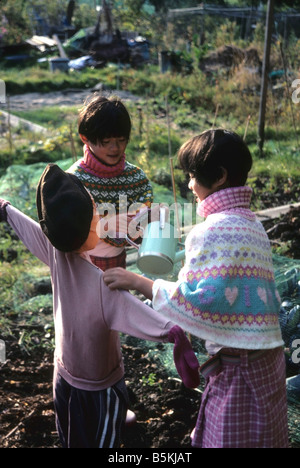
(226, 295)
(104, 126)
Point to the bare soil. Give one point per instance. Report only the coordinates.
(166, 410)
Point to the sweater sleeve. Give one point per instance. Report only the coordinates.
(29, 232)
(125, 313)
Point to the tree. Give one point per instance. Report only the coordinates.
(135, 5)
(23, 18)
(14, 25)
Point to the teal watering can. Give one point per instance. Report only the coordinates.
(158, 253)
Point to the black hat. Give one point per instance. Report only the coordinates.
(65, 209)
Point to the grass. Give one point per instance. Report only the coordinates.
(50, 117)
(21, 314)
(31, 79)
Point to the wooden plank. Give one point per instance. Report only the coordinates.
(60, 47)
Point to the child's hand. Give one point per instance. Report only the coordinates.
(118, 278)
(115, 226)
(185, 360)
(3, 205)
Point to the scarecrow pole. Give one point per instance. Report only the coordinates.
(287, 91)
(173, 182)
(73, 150)
(9, 127)
(216, 115)
(246, 128)
(265, 71)
(172, 169)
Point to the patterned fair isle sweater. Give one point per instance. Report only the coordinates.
(121, 185)
(226, 292)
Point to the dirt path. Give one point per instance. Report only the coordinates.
(67, 97)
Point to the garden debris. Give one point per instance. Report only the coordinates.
(104, 44)
(286, 231)
(42, 43)
(229, 56)
(82, 62)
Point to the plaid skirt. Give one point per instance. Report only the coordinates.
(104, 263)
(244, 402)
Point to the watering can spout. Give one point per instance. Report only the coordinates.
(179, 256)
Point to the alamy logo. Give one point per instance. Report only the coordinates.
(296, 93)
(2, 351)
(2, 92)
(296, 352)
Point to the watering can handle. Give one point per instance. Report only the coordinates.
(132, 243)
(162, 217)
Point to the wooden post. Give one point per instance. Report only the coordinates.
(62, 53)
(265, 72)
(73, 150)
(9, 127)
(216, 115)
(289, 101)
(246, 128)
(172, 169)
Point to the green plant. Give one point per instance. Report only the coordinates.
(149, 380)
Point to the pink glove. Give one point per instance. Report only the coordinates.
(185, 360)
(3, 205)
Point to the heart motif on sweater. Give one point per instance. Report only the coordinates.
(231, 294)
(262, 294)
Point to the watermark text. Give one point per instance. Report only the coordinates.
(132, 220)
(296, 351)
(2, 92)
(296, 93)
(2, 351)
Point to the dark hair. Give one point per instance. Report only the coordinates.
(102, 118)
(205, 155)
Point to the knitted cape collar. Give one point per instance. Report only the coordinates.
(92, 165)
(234, 198)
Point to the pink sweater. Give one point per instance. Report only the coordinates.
(87, 314)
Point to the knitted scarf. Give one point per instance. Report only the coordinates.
(92, 165)
(226, 291)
